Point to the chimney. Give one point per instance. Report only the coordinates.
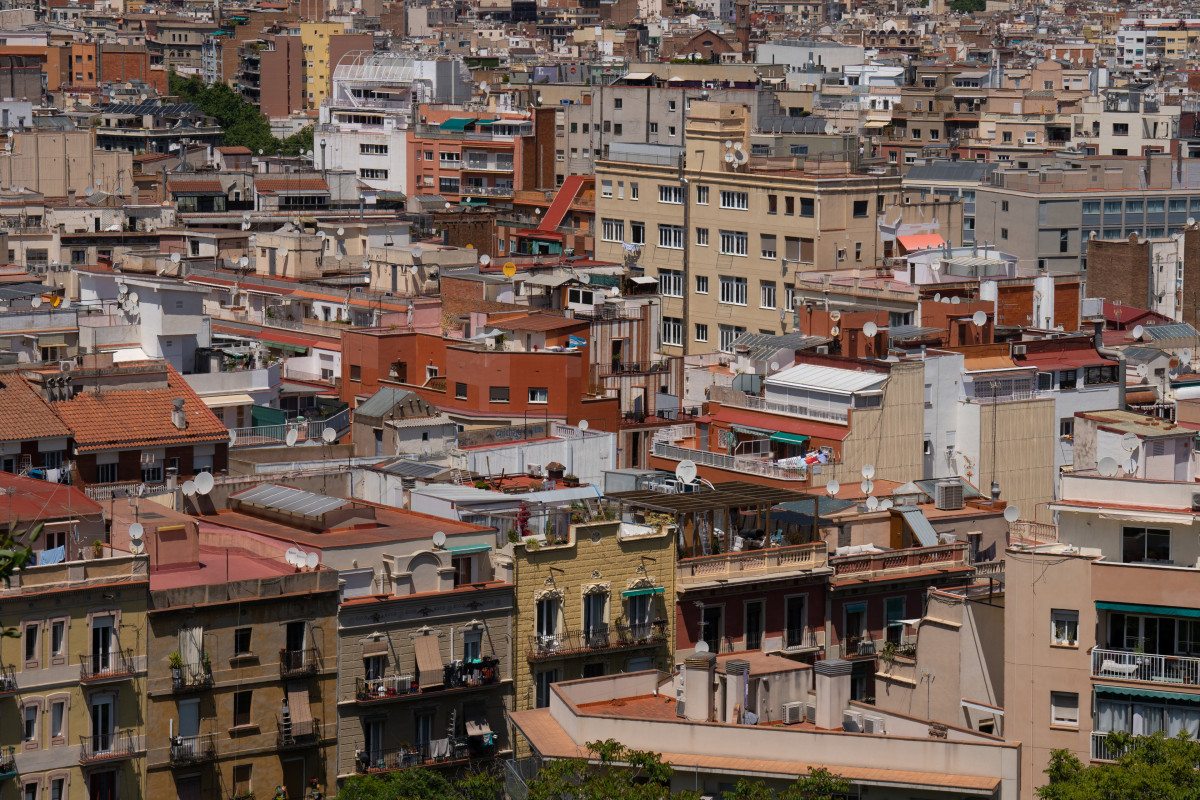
(832, 686)
(178, 415)
(699, 672)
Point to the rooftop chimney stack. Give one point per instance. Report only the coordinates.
(178, 415)
(832, 686)
(699, 673)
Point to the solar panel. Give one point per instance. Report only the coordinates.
(289, 500)
(155, 108)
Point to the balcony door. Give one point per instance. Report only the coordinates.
(103, 634)
(102, 785)
(103, 724)
(189, 719)
(755, 621)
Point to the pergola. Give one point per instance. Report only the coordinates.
(699, 512)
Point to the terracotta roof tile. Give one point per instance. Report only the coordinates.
(287, 184)
(24, 414)
(194, 185)
(123, 419)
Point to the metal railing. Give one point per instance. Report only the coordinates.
(631, 368)
(193, 749)
(747, 466)
(827, 415)
(106, 666)
(799, 639)
(913, 559)
(660, 414)
(448, 751)
(390, 687)
(1103, 749)
(482, 165)
(752, 563)
(602, 637)
(1145, 667)
(299, 662)
(107, 746)
(287, 736)
(8, 679)
(303, 375)
(8, 762)
(191, 677)
(485, 191)
(1035, 533)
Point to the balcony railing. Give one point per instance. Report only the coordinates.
(823, 414)
(799, 639)
(1103, 749)
(191, 677)
(596, 639)
(485, 191)
(913, 559)
(660, 415)
(193, 749)
(8, 680)
(294, 663)
(483, 165)
(447, 752)
(1032, 533)
(113, 665)
(8, 763)
(632, 368)
(752, 564)
(107, 746)
(1146, 667)
(289, 735)
(484, 672)
(746, 466)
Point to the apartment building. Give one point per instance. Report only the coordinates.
(325, 44)
(469, 159)
(705, 226)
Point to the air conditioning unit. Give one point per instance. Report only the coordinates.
(947, 538)
(793, 713)
(873, 724)
(404, 684)
(823, 350)
(535, 470)
(810, 712)
(948, 496)
(1019, 349)
(66, 366)
(852, 721)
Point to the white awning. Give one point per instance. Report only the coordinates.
(638, 76)
(130, 354)
(548, 280)
(226, 400)
(1128, 515)
(999, 712)
(644, 280)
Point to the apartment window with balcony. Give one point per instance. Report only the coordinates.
(670, 237)
(796, 621)
(737, 201)
(497, 394)
(1064, 626)
(448, 185)
(733, 290)
(672, 331)
(668, 193)
(670, 282)
(1145, 545)
(29, 723)
(1064, 709)
(734, 243)
(539, 395)
(612, 230)
(701, 332)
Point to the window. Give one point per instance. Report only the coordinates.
(701, 332)
(449, 159)
(539, 395)
(544, 681)
(789, 298)
(796, 622)
(448, 185)
(31, 641)
(671, 105)
(1091, 206)
(633, 190)
(767, 246)
(460, 391)
(373, 149)
(618, 129)
(702, 195)
(670, 283)
(772, 204)
(241, 708)
(637, 233)
(1064, 709)
(670, 237)
(734, 243)
(654, 127)
(58, 789)
(1068, 379)
(766, 294)
(497, 394)
(617, 102)
(860, 208)
(1066, 428)
(1093, 376)
(1064, 626)
(241, 641)
(738, 201)
(670, 194)
(672, 331)
(893, 614)
(373, 174)
(547, 618)
(464, 566)
(606, 188)
(733, 290)
(670, 130)
(916, 133)
(702, 237)
(1120, 129)
(727, 334)
(1133, 206)
(58, 631)
(1004, 233)
(1145, 545)
(612, 230)
(1064, 240)
(1177, 204)
(58, 715)
(30, 718)
(701, 284)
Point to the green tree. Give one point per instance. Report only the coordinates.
(1149, 768)
(419, 783)
(241, 123)
(968, 6)
(621, 774)
(818, 784)
(298, 143)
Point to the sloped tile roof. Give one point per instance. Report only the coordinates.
(24, 414)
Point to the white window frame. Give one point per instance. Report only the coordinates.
(701, 284)
(670, 237)
(672, 331)
(702, 195)
(670, 194)
(539, 395)
(1061, 713)
(1064, 626)
(702, 237)
(612, 230)
(733, 290)
(766, 294)
(734, 243)
(670, 282)
(735, 201)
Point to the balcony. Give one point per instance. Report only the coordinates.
(191, 678)
(661, 415)
(892, 564)
(485, 191)
(1032, 534)
(114, 666)
(113, 746)
(752, 565)
(483, 165)
(8, 763)
(840, 416)
(732, 464)
(624, 368)
(1103, 749)
(8, 680)
(454, 752)
(294, 735)
(858, 647)
(187, 750)
(1146, 667)
(373, 691)
(595, 640)
(298, 663)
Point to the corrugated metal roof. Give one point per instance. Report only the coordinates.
(382, 402)
(919, 525)
(830, 379)
(935, 171)
(765, 345)
(289, 500)
(413, 469)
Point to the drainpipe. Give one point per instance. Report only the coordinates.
(1119, 355)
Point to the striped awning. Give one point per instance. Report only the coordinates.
(299, 709)
(429, 661)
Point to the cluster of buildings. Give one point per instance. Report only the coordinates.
(769, 385)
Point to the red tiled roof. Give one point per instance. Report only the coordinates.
(122, 419)
(194, 185)
(286, 184)
(33, 500)
(234, 151)
(24, 414)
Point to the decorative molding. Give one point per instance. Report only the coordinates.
(641, 582)
(553, 593)
(597, 588)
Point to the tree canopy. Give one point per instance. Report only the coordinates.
(1150, 768)
(241, 122)
(419, 783)
(968, 6)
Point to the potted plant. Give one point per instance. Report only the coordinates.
(570, 479)
(97, 549)
(206, 661)
(176, 662)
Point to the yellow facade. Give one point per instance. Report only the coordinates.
(314, 39)
(599, 602)
(74, 680)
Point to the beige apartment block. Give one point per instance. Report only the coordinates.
(60, 164)
(726, 233)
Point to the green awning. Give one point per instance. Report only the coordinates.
(456, 124)
(484, 123)
(746, 429)
(789, 438)
(1155, 694)
(1136, 608)
(294, 348)
(467, 549)
(643, 592)
(473, 201)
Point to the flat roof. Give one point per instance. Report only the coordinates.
(722, 495)
(831, 379)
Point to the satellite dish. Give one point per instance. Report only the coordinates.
(729, 158)
(485, 259)
(417, 251)
(835, 330)
(979, 318)
(885, 504)
(1130, 442)
(189, 488)
(728, 144)
(585, 278)
(1143, 370)
(243, 262)
(868, 471)
(176, 258)
(245, 226)
(439, 539)
(510, 269)
(1185, 355)
(955, 300)
(89, 191)
(870, 329)
(122, 289)
(413, 269)
(312, 560)
(872, 504)
(283, 251)
(291, 556)
(935, 266)
(1191, 221)
(774, 366)
(133, 298)
(832, 488)
(137, 548)
(36, 301)
(246, 216)
(867, 487)
(835, 315)
(329, 435)
(204, 483)
(1138, 331)
(583, 425)
(937, 298)
(701, 646)
(292, 436)
(1107, 466)
(136, 531)
(341, 231)
(685, 471)
(1012, 513)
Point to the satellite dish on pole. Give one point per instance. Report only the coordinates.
(36, 301)
(870, 329)
(872, 504)
(312, 560)
(835, 315)
(485, 259)
(1138, 331)
(292, 436)
(510, 269)
(1130, 442)
(291, 555)
(1012, 513)
(329, 435)
(189, 488)
(867, 487)
(136, 531)
(868, 471)
(832, 488)
(439, 539)
(1107, 466)
(583, 425)
(417, 251)
(701, 646)
(204, 483)
(137, 548)
(176, 258)
(979, 318)
(685, 471)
